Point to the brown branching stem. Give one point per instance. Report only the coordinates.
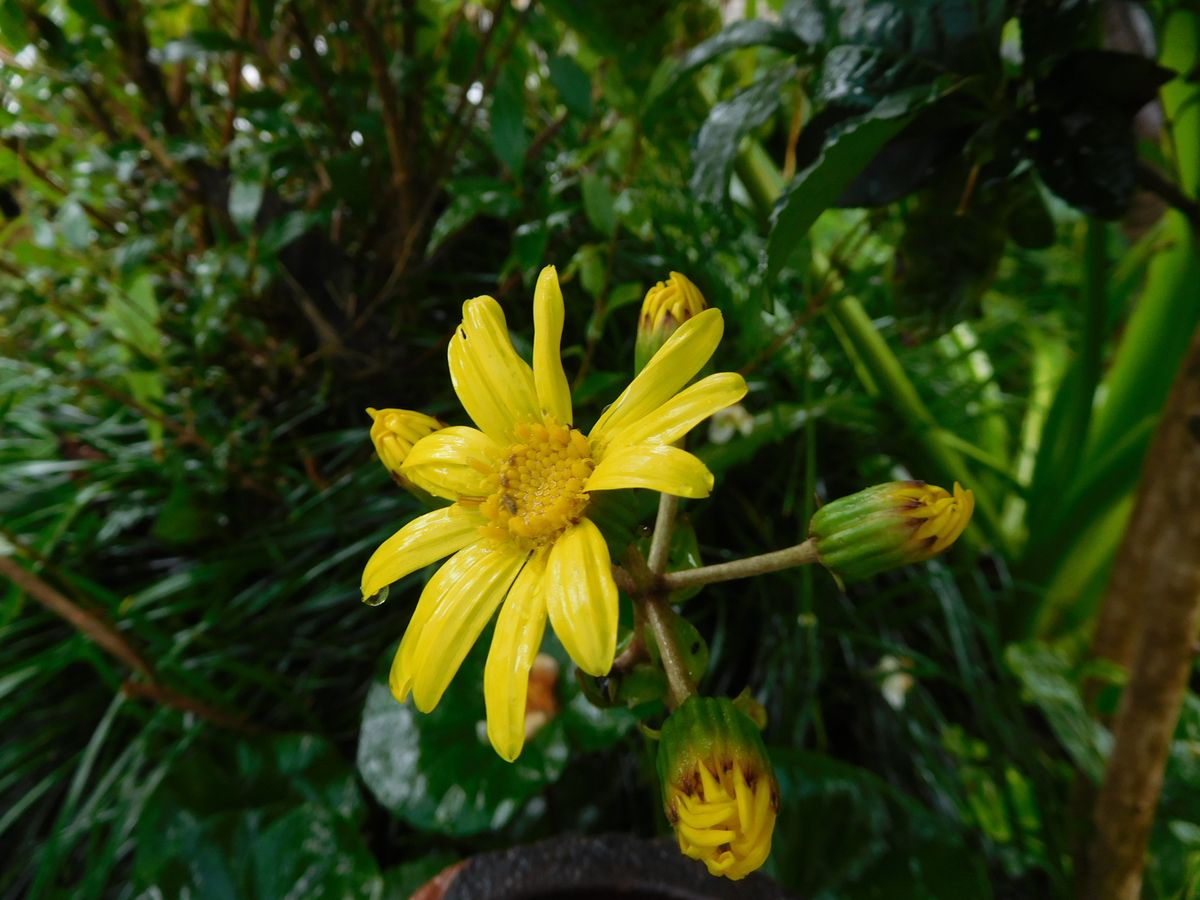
(445, 153)
(679, 680)
(100, 632)
(1156, 574)
(650, 587)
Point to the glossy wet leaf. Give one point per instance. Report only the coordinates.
(439, 771)
(726, 125)
(845, 155)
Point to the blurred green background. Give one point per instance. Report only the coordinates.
(229, 227)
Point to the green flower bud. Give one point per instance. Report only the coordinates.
(888, 525)
(719, 791)
(667, 306)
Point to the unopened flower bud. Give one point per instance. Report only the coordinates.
(394, 431)
(667, 305)
(719, 791)
(888, 525)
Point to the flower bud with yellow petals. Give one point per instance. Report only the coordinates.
(719, 791)
(667, 305)
(888, 525)
(394, 431)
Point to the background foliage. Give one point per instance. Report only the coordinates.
(229, 228)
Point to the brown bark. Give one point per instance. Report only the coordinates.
(1155, 584)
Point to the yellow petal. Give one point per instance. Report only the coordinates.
(424, 540)
(548, 376)
(657, 467)
(515, 644)
(683, 412)
(452, 463)
(454, 571)
(454, 625)
(493, 383)
(707, 837)
(581, 597)
(673, 366)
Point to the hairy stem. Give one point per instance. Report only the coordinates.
(664, 526)
(799, 555)
(679, 681)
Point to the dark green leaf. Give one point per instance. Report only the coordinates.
(817, 187)
(598, 203)
(509, 139)
(439, 771)
(572, 84)
(727, 124)
(1045, 676)
(471, 198)
(741, 34)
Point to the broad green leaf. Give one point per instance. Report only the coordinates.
(738, 35)
(245, 198)
(845, 156)
(439, 771)
(573, 84)
(1046, 678)
(509, 138)
(471, 198)
(727, 124)
(598, 203)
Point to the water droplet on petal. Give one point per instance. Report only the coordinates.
(377, 598)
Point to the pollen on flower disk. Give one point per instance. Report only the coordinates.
(537, 491)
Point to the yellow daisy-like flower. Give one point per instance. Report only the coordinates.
(517, 532)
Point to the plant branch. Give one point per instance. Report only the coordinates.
(679, 681)
(235, 71)
(664, 525)
(1154, 181)
(94, 628)
(799, 555)
(102, 633)
(1157, 563)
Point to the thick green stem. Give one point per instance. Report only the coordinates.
(799, 555)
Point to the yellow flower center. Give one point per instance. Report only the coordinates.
(538, 489)
(724, 818)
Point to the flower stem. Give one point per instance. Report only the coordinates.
(799, 555)
(679, 681)
(664, 525)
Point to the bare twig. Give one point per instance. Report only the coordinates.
(98, 631)
(235, 71)
(447, 149)
(393, 119)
